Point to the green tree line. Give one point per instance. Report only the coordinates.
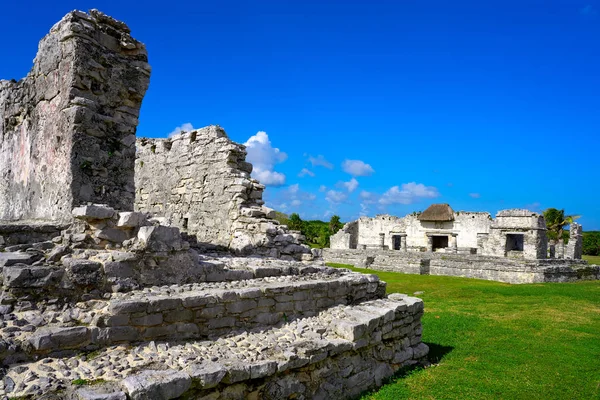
(317, 233)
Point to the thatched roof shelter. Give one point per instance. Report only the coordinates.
(437, 213)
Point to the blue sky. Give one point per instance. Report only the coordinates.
(380, 106)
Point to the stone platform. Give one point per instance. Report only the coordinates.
(501, 269)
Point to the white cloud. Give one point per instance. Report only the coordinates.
(263, 157)
(294, 196)
(333, 196)
(409, 193)
(322, 188)
(183, 128)
(350, 186)
(533, 206)
(306, 172)
(320, 161)
(367, 197)
(475, 195)
(357, 168)
(294, 189)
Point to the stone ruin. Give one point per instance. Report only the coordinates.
(511, 248)
(123, 285)
(200, 182)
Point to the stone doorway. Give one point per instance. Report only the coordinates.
(439, 242)
(515, 242)
(396, 242)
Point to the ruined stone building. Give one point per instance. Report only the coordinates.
(124, 271)
(512, 248)
(437, 228)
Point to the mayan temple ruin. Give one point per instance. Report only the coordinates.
(511, 248)
(150, 268)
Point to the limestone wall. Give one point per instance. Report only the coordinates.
(200, 182)
(67, 130)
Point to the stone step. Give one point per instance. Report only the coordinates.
(203, 310)
(337, 353)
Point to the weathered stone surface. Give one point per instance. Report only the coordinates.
(8, 259)
(160, 238)
(25, 276)
(84, 272)
(90, 394)
(67, 128)
(93, 212)
(131, 219)
(206, 375)
(157, 385)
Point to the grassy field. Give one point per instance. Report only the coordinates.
(492, 340)
(592, 259)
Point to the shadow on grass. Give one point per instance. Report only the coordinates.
(435, 355)
(437, 352)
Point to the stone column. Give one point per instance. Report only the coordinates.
(403, 243)
(552, 251)
(382, 240)
(429, 243)
(574, 247)
(560, 249)
(454, 243)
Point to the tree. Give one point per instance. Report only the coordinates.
(335, 224)
(295, 223)
(556, 221)
(591, 243)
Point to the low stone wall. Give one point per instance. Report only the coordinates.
(468, 266)
(366, 353)
(206, 310)
(338, 353)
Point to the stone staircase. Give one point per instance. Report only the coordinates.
(82, 318)
(337, 353)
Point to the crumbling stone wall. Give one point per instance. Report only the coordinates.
(68, 128)
(575, 245)
(200, 182)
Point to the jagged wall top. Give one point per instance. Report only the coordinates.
(67, 130)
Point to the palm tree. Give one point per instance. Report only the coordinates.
(335, 224)
(556, 221)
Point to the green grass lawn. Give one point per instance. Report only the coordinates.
(592, 259)
(492, 340)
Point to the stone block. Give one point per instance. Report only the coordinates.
(84, 272)
(131, 219)
(147, 320)
(112, 235)
(24, 276)
(93, 212)
(157, 385)
(160, 238)
(206, 375)
(90, 394)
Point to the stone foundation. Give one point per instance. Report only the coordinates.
(468, 266)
